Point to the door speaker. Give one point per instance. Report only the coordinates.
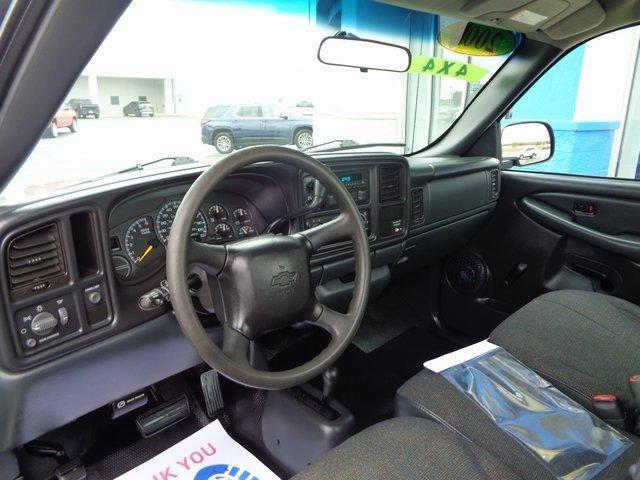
(466, 273)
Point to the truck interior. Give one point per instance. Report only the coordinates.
(440, 282)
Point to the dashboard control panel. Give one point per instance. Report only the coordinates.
(65, 254)
(379, 191)
(356, 182)
(66, 274)
(39, 325)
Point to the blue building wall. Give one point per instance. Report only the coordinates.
(581, 148)
(553, 97)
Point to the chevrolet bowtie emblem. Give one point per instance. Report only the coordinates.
(284, 279)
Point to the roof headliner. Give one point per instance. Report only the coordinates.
(593, 19)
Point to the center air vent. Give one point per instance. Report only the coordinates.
(389, 184)
(417, 205)
(35, 257)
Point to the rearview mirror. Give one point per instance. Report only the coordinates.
(350, 51)
(527, 143)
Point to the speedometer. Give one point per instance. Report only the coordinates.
(167, 214)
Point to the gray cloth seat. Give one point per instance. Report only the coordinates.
(408, 448)
(413, 448)
(430, 395)
(584, 343)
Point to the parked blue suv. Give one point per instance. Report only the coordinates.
(227, 127)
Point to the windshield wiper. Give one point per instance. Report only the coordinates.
(175, 161)
(342, 141)
(348, 144)
(140, 166)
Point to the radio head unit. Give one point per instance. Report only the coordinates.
(356, 181)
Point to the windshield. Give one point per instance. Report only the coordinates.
(209, 77)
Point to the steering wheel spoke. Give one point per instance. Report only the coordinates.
(336, 323)
(210, 257)
(332, 231)
(235, 345)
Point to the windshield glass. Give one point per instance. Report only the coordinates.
(207, 77)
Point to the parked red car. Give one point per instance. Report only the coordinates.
(66, 117)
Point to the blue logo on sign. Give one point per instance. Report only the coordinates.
(224, 472)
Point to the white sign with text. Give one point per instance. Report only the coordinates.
(208, 454)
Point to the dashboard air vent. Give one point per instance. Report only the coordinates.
(35, 256)
(417, 205)
(390, 184)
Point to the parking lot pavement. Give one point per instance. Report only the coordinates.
(105, 145)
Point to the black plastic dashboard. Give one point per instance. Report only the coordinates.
(104, 248)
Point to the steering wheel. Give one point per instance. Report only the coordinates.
(262, 284)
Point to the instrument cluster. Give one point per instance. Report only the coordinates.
(138, 246)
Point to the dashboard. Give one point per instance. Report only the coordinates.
(85, 295)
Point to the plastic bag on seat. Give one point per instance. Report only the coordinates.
(570, 441)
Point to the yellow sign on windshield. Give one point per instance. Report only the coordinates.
(447, 68)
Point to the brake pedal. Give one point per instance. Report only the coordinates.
(210, 382)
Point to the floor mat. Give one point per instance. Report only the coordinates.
(368, 381)
(208, 453)
(385, 319)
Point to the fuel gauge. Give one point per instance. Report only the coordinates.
(247, 231)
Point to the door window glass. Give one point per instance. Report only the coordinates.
(591, 100)
(249, 111)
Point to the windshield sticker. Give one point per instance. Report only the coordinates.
(477, 40)
(447, 68)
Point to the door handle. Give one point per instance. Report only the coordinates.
(562, 222)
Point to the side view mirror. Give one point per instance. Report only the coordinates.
(283, 116)
(345, 50)
(527, 143)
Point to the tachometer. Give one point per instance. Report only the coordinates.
(165, 218)
(141, 242)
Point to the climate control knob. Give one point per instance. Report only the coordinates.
(43, 323)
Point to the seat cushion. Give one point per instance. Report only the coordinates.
(407, 448)
(431, 395)
(584, 343)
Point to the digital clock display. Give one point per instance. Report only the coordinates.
(354, 177)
